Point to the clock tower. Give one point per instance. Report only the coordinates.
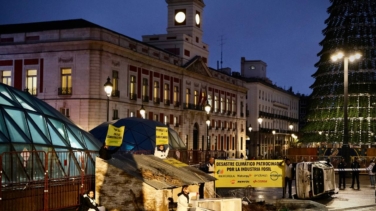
(184, 16)
(184, 30)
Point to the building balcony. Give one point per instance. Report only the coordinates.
(233, 113)
(115, 93)
(64, 91)
(166, 102)
(145, 99)
(132, 96)
(176, 104)
(193, 106)
(156, 100)
(229, 113)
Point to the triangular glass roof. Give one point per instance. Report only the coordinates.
(27, 122)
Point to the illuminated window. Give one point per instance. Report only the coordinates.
(6, 77)
(227, 104)
(156, 91)
(31, 81)
(66, 81)
(145, 89)
(65, 111)
(165, 120)
(176, 95)
(222, 105)
(115, 83)
(187, 96)
(166, 94)
(133, 87)
(195, 98)
(216, 104)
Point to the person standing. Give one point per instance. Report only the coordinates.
(355, 172)
(371, 173)
(210, 166)
(342, 173)
(184, 197)
(288, 178)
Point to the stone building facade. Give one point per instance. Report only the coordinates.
(277, 108)
(66, 64)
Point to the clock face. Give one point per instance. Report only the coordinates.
(198, 19)
(180, 17)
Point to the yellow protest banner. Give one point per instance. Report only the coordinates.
(114, 135)
(242, 173)
(175, 162)
(161, 136)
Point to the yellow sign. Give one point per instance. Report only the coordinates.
(174, 162)
(242, 173)
(114, 135)
(161, 136)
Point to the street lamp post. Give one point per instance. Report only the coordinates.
(260, 122)
(249, 147)
(274, 143)
(108, 90)
(346, 59)
(291, 127)
(207, 110)
(207, 133)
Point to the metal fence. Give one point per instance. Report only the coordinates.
(364, 161)
(42, 181)
(38, 180)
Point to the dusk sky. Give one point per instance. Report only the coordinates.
(285, 34)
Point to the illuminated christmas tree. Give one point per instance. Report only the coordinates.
(351, 28)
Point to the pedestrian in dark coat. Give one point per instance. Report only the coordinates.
(288, 178)
(105, 153)
(355, 172)
(342, 174)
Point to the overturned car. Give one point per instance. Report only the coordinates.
(314, 179)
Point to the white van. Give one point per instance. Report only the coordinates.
(314, 179)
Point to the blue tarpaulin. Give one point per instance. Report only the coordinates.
(139, 134)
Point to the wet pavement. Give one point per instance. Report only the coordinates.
(348, 199)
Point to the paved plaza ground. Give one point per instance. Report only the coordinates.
(348, 199)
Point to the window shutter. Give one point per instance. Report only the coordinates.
(161, 115)
(171, 119)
